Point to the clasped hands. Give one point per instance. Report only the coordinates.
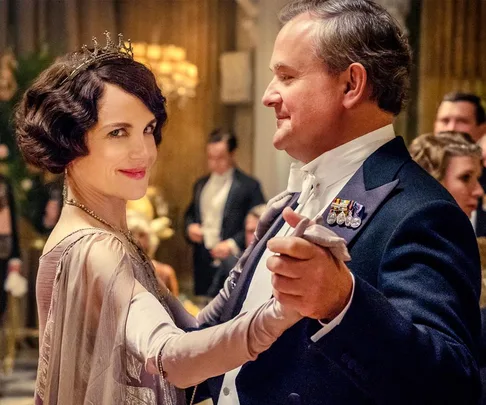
(221, 250)
(309, 277)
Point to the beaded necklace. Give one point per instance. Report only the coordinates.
(127, 234)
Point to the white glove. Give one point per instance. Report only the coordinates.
(15, 283)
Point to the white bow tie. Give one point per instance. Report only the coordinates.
(310, 183)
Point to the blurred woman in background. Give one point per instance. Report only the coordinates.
(454, 160)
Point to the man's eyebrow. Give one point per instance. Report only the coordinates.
(279, 66)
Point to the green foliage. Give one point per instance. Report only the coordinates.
(28, 69)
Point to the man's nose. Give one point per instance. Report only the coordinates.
(271, 97)
(478, 190)
(451, 125)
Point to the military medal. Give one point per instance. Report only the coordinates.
(349, 219)
(345, 212)
(356, 222)
(341, 218)
(331, 217)
(358, 212)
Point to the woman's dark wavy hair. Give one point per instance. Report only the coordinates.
(55, 114)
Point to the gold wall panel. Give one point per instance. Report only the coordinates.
(452, 49)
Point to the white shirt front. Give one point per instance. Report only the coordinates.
(213, 200)
(319, 182)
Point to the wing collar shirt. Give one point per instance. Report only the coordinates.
(213, 200)
(319, 182)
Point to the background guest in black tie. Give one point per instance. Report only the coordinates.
(215, 218)
(461, 112)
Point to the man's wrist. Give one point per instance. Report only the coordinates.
(329, 325)
(345, 295)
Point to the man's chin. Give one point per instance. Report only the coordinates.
(279, 140)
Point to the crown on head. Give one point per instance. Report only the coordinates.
(81, 60)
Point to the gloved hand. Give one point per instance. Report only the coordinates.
(15, 283)
(322, 236)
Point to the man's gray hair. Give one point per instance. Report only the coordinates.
(360, 31)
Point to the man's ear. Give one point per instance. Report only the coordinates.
(356, 84)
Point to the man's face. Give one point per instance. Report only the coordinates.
(307, 100)
(457, 116)
(219, 158)
(251, 223)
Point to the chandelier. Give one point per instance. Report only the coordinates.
(177, 77)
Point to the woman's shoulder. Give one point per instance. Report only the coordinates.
(88, 242)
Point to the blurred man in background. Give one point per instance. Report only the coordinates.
(215, 219)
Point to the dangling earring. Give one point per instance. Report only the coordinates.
(65, 187)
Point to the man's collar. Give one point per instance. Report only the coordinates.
(339, 162)
(226, 175)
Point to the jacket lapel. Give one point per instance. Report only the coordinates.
(238, 295)
(371, 185)
(197, 198)
(235, 185)
(370, 199)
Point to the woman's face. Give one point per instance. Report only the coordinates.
(461, 180)
(121, 147)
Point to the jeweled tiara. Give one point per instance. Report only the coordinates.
(80, 61)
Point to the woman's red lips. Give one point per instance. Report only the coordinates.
(134, 173)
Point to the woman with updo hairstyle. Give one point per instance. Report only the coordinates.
(108, 333)
(454, 160)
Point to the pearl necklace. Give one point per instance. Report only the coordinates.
(127, 234)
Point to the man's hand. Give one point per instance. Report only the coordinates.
(222, 250)
(307, 277)
(195, 233)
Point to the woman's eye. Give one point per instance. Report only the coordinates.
(116, 133)
(150, 129)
